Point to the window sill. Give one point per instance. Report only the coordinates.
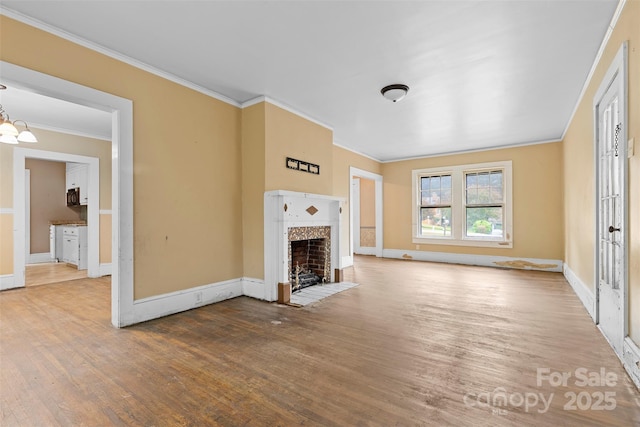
(465, 242)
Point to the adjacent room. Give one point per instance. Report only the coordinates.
(320, 213)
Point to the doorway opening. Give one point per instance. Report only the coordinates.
(121, 111)
(365, 213)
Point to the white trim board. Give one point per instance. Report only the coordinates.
(581, 290)
(40, 258)
(105, 269)
(176, 302)
(631, 360)
(7, 282)
(553, 265)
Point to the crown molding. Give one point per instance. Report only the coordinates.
(337, 144)
(264, 98)
(596, 61)
(476, 150)
(113, 54)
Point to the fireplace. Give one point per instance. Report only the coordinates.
(293, 224)
(309, 256)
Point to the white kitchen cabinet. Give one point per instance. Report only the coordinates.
(77, 177)
(55, 242)
(74, 245)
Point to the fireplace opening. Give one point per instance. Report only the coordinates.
(309, 263)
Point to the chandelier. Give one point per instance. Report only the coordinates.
(9, 134)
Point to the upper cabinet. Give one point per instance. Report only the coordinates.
(77, 177)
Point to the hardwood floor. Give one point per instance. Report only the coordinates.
(414, 344)
(52, 272)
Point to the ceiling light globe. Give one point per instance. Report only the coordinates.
(394, 92)
(8, 139)
(27, 136)
(6, 128)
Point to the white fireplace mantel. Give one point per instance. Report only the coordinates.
(286, 209)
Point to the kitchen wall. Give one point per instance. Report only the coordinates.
(579, 170)
(48, 201)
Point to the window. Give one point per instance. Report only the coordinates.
(463, 205)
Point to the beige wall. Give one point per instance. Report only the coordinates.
(187, 191)
(47, 201)
(579, 172)
(270, 134)
(253, 176)
(537, 201)
(6, 244)
(289, 135)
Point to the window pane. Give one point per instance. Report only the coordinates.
(424, 184)
(435, 222)
(435, 190)
(446, 196)
(484, 187)
(484, 222)
(496, 179)
(435, 182)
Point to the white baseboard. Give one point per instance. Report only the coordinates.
(481, 260)
(365, 251)
(631, 360)
(253, 288)
(346, 261)
(105, 269)
(40, 258)
(6, 282)
(163, 305)
(581, 290)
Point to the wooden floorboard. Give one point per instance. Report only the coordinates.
(52, 272)
(415, 344)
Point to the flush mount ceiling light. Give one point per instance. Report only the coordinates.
(394, 92)
(9, 133)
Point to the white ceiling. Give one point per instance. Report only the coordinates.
(481, 74)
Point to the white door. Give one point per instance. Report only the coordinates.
(611, 158)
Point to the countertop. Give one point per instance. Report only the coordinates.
(68, 222)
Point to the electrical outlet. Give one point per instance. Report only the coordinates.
(198, 297)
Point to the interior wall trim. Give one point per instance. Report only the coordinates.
(112, 54)
(7, 282)
(280, 104)
(582, 291)
(176, 302)
(553, 265)
(631, 360)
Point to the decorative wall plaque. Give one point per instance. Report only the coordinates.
(303, 166)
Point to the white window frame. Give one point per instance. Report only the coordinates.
(458, 222)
